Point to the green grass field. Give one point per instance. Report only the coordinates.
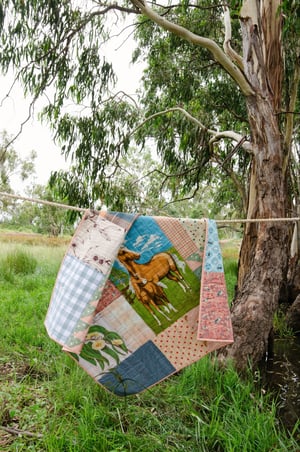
(47, 403)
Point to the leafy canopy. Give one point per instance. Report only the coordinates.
(57, 49)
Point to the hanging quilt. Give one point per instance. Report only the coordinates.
(138, 298)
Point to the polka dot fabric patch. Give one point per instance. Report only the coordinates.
(179, 342)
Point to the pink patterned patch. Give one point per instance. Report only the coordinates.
(110, 293)
(215, 322)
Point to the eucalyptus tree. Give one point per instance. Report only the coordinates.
(12, 165)
(40, 218)
(185, 82)
(235, 106)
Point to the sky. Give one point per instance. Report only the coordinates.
(36, 136)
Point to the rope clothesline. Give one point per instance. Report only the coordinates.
(42, 201)
(81, 209)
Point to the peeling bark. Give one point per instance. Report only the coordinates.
(264, 255)
(264, 252)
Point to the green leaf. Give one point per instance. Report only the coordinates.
(112, 353)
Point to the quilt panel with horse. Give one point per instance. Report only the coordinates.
(138, 298)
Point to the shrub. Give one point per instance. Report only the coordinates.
(19, 262)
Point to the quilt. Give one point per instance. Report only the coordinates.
(138, 298)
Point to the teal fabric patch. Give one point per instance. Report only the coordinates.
(213, 257)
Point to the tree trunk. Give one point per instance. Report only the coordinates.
(264, 254)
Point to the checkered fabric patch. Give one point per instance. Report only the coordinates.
(75, 287)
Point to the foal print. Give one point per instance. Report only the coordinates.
(145, 279)
(154, 278)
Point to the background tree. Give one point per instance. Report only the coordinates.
(13, 171)
(40, 218)
(12, 166)
(249, 57)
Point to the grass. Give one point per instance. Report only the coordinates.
(230, 252)
(58, 407)
(281, 330)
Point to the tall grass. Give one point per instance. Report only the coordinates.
(230, 252)
(46, 395)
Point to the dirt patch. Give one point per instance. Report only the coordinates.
(6, 370)
(18, 371)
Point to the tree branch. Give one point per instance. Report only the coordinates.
(216, 136)
(16, 431)
(185, 198)
(30, 110)
(189, 5)
(181, 110)
(112, 6)
(206, 43)
(239, 186)
(227, 40)
(232, 136)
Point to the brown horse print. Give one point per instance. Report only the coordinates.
(145, 280)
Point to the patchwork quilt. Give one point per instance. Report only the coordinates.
(138, 298)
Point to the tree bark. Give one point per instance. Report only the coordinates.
(264, 254)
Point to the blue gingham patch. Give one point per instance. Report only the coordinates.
(75, 286)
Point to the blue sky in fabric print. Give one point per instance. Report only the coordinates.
(147, 239)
